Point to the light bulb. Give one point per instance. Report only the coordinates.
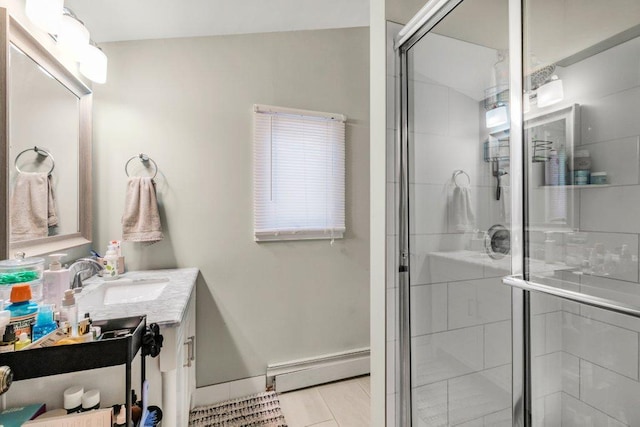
(73, 37)
(94, 64)
(496, 117)
(550, 93)
(45, 14)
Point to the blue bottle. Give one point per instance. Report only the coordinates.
(23, 310)
(44, 322)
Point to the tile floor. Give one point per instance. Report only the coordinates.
(340, 404)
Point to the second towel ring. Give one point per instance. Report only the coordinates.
(458, 173)
(41, 152)
(143, 158)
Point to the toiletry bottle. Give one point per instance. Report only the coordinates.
(552, 168)
(73, 399)
(91, 400)
(69, 312)
(23, 310)
(44, 322)
(56, 280)
(23, 341)
(8, 340)
(111, 267)
(121, 417)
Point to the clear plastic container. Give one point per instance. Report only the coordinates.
(21, 270)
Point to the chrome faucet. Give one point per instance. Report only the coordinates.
(83, 265)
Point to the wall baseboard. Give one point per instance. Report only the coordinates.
(303, 373)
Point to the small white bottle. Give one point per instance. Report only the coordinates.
(111, 264)
(56, 280)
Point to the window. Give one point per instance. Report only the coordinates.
(298, 174)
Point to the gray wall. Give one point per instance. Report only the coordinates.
(188, 104)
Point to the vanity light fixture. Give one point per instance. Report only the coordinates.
(45, 14)
(94, 63)
(550, 93)
(73, 36)
(497, 116)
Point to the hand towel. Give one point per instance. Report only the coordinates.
(32, 206)
(52, 215)
(505, 205)
(141, 218)
(462, 216)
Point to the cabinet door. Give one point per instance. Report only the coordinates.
(191, 368)
(186, 376)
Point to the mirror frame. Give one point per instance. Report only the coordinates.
(14, 33)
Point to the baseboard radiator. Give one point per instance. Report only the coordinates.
(303, 373)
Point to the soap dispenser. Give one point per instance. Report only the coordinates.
(111, 267)
(56, 280)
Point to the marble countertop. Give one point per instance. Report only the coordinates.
(167, 310)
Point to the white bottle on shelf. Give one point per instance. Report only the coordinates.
(111, 264)
(56, 280)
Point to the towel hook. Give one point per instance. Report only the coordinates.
(144, 159)
(458, 173)
(41, 152)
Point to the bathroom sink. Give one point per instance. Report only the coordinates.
(124, 291)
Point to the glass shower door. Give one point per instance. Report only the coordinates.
(456, 103)
(582, 104)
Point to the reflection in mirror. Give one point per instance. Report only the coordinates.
(551, 142)
(46, 146)
(43, 113)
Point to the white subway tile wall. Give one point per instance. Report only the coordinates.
(460, 311)
(597, 351)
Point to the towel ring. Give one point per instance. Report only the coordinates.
(41, 152)
(458, 173)
(143, 158)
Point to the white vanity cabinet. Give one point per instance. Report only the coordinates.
(178, 369)
(171, 375)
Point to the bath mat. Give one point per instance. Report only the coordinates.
(257, 410)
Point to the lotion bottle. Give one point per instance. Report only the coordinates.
(111, 267)
(56, 280)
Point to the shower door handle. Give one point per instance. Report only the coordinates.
(579, 297)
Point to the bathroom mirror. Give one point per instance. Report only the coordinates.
(46, 149)
(551, 139)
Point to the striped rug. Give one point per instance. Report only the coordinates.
(257, 410)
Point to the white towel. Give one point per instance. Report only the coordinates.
(32, 206)
(461, 216)
(141, 218)
(505, 205)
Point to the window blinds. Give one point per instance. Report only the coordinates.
(299, 174)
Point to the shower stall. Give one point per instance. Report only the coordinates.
(513, 293)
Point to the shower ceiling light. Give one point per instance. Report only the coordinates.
(73, 36)
(45, 14)
(550, 93)
(496, 117)
(94, 64)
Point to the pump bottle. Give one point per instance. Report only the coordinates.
(69, 312)
(56, 280)
(111, 267)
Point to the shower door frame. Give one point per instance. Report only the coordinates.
(421, 24)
